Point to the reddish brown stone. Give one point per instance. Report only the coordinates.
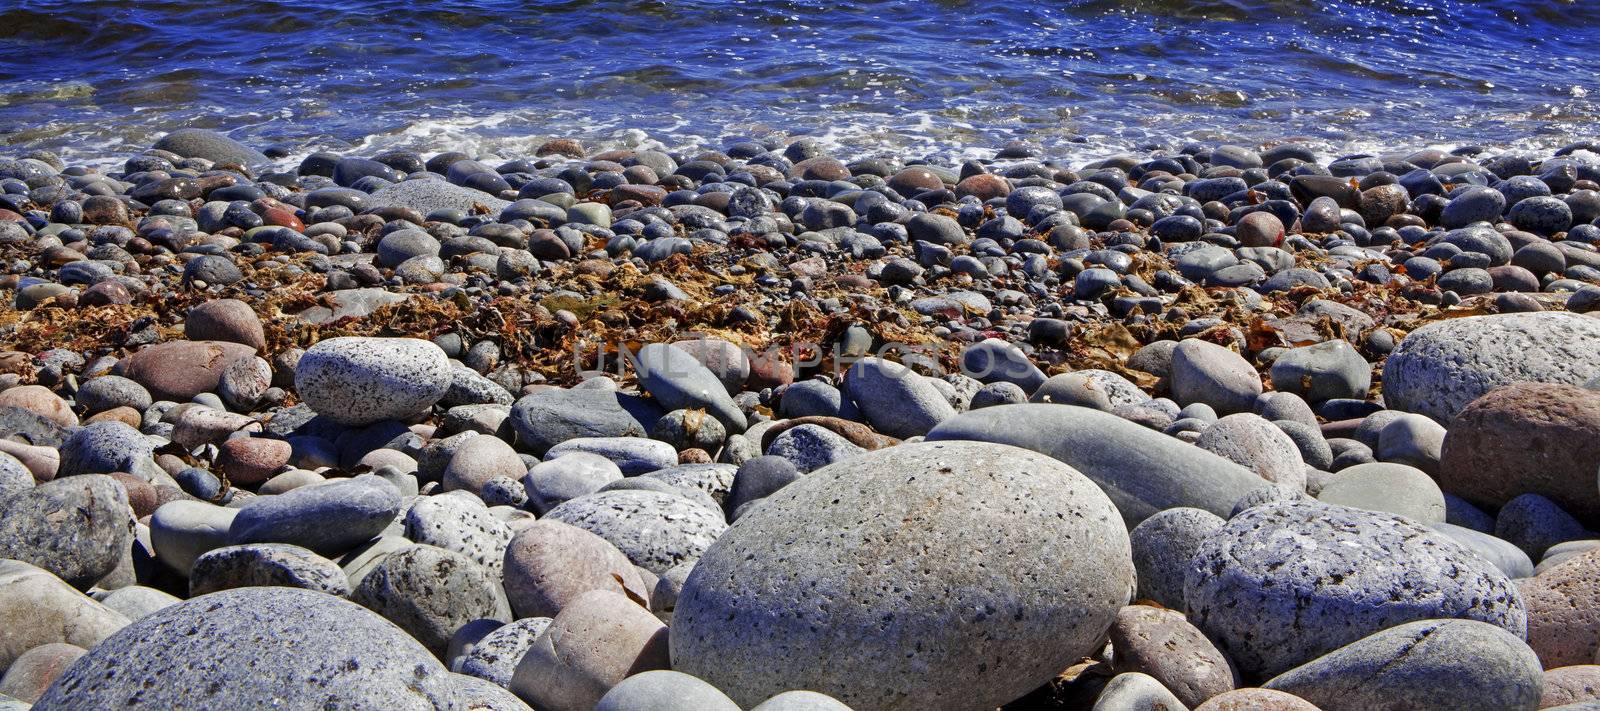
(1564, 611)
(858, 434)
(983, 186)
(819, 168)
(915, 179)
(248, 461)
(768, 372)
(560, 147)
(180, 370)
(106, 293)
(142, 497)
(123, 414)
(694, 455)
(1162, 644)
(228, 320)
(646, 194)
(282, 218)
(1540, 438)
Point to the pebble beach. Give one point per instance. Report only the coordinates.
(1200, 355)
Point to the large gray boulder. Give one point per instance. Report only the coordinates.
(257, 647)
(1439, 368)
(1206, 372)
(431, 592)
(357, 381)
(1283, 583)
(1143, 471)
(1463, 665)
(947, 575)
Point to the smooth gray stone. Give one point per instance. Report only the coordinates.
(77, 528)
(1206, 372)
(1323, 371)
(328, 518)
(210, 145)
(1505, 556)
(801, 700)
(37, 608)
(557, 481)
(1283, 583)
(137, 601)
(1442, 664)
(664, 690)
(549, 417)
(183, 530)
(1143, 471)
(858, 599)
(996, 361)
(812, 398)
(258, 647)
(678, 381)
(1386, 487)
(896, 400)
(632, 455)
(1439, 368)
(759, 478)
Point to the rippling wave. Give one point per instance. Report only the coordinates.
(499, 75)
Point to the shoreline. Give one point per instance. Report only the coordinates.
(1308, 404)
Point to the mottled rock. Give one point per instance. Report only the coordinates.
(256, 647)
(875, 602)
(266, 564)
(1441, 367)
(358, 381)
(77, 528)
(655, 530)
(1162, 547)
(430, 593)
(1283, 583)
(1564, 611)
(1162, 644)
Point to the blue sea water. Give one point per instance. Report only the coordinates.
(95, 77)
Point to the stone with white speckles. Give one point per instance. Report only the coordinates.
(358, 381)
